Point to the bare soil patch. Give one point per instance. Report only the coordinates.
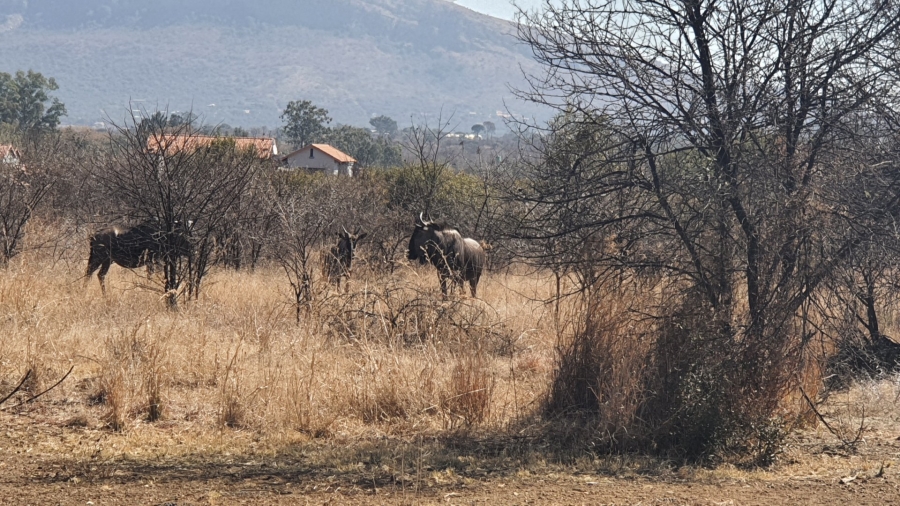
(45, 460)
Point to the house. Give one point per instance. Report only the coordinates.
(321, 157)
(9, 155)
(171, 143)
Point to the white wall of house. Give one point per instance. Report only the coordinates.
(315, 159)
(9, 158)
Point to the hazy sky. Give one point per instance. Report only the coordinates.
(499, 8)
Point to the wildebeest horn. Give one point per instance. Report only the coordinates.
(345, 230)
(420, 222)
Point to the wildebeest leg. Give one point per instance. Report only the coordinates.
(444, 284)
(149, 266)
(94, 263)
(472, 284)
(104, 268)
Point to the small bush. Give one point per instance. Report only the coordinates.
(116, 395)
(599, 375)
(683, 386)
(467, 395)
(231, 411)
(715, 393)
(859, 358)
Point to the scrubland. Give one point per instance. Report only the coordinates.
(385, 392)
(389, 356)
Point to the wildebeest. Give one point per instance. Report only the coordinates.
(457, 259)
(339, 259)
(142, 245)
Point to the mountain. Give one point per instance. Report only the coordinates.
(240, 61)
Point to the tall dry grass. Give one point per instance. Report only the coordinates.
(389, 357)
(647, 368)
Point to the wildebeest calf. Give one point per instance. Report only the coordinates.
(338, 261)
(142, 245)
(456, 258)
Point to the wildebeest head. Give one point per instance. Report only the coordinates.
(426, 240)
(338, 260)
(347, 243)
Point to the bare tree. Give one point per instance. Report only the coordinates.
(24, 185)
(427, 163)
(20, 193)
(701, 139)
(246, 230)
(863, 286)
(160, 173)
(308, 208)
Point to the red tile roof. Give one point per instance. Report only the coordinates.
(265, 147)
(8, 149)
(338, 155)
(335, 153)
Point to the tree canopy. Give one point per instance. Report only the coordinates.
(25, 101)
(304, 123)
(369, 151)
(384, 125)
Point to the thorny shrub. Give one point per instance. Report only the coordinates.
(677, 385)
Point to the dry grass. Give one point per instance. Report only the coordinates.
(388, 374)
(389, 357)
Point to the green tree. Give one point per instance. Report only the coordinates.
(384, 125)
(176, 120)
(369, 151)
(489, 127)
(25, 102)
(156, 121)
(304, 123)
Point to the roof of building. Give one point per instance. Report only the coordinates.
(265, 147)
(338, 155)
(7, 149)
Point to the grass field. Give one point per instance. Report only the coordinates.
(389, 356)
(384, 393)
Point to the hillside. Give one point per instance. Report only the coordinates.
(356, 58)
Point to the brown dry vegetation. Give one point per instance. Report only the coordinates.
(384, 391)
(388, 357)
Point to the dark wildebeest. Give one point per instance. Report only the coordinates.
(339, 259)
(457, 259)
(142, 245)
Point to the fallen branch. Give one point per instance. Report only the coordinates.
(18, 387)
(31, 399)
(848, 443)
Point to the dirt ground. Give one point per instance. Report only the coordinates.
(44, 460)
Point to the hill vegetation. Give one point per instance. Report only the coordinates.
(357, 59)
